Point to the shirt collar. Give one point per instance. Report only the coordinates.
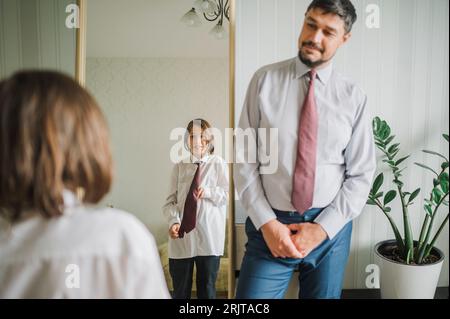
(70, 199)
(202, 160)
(323, 74)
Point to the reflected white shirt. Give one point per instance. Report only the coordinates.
(208, 236)
(346, 159)
(112, 252)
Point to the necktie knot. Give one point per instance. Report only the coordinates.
(312, 74)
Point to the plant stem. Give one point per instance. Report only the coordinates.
(422, 243)
(423, 230)
(430, 228)
(398, 237)
(409, 242)
(431, 245)
(422, 235)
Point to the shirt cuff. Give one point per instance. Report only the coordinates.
(206, 192)
(173, 221)
(260, 213)
(331, 221)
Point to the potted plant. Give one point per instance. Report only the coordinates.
(408, 268)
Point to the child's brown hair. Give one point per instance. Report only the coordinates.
(53, 136)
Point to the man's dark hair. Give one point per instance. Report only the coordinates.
(343, 8)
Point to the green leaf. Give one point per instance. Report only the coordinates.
(413, 195)
(387, 209)
(377, 183)
(437, 195)
(399, 183)
(379, 195)
(395, 153)
(389, 197)
(444, 182)
(444, 165)
(393, 148)
(398, 175)
(444, 186)
(426, 167)
(436, 182)
(401, 160)
(428, 210)
(389, 139)
(370, 201)
(436, 153)
(445, 136)
(376, 124)
(385, 130)
(379, 128)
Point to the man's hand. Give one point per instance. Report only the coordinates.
(173, 231)
(278, 238)
(308, 237)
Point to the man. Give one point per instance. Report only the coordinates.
(300, 216)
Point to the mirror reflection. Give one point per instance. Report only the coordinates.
(163, 87)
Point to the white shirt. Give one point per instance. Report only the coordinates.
(208, 236)
(85, 253)
(346, 159)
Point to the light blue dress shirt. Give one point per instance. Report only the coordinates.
(346, 159)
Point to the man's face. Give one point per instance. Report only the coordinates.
(321, 36)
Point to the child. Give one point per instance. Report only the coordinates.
(196, 211)
(54, 142)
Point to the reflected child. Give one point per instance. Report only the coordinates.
(196, 213)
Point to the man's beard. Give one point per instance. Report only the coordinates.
(308, 62)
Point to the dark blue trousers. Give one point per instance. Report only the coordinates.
(181, 271)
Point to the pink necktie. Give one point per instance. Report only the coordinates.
(305, 166)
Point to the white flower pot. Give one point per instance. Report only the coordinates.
(400, 281)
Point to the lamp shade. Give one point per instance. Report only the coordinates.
(191, 18)
(219, 32)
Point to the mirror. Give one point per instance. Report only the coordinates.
(152, 75)
(37, 34)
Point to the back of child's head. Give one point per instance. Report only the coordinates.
(53, 137)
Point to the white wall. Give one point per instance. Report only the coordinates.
(33, 34)
(403, 67)
(144, 99)
(148, 28)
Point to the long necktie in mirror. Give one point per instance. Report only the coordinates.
(190, 206)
